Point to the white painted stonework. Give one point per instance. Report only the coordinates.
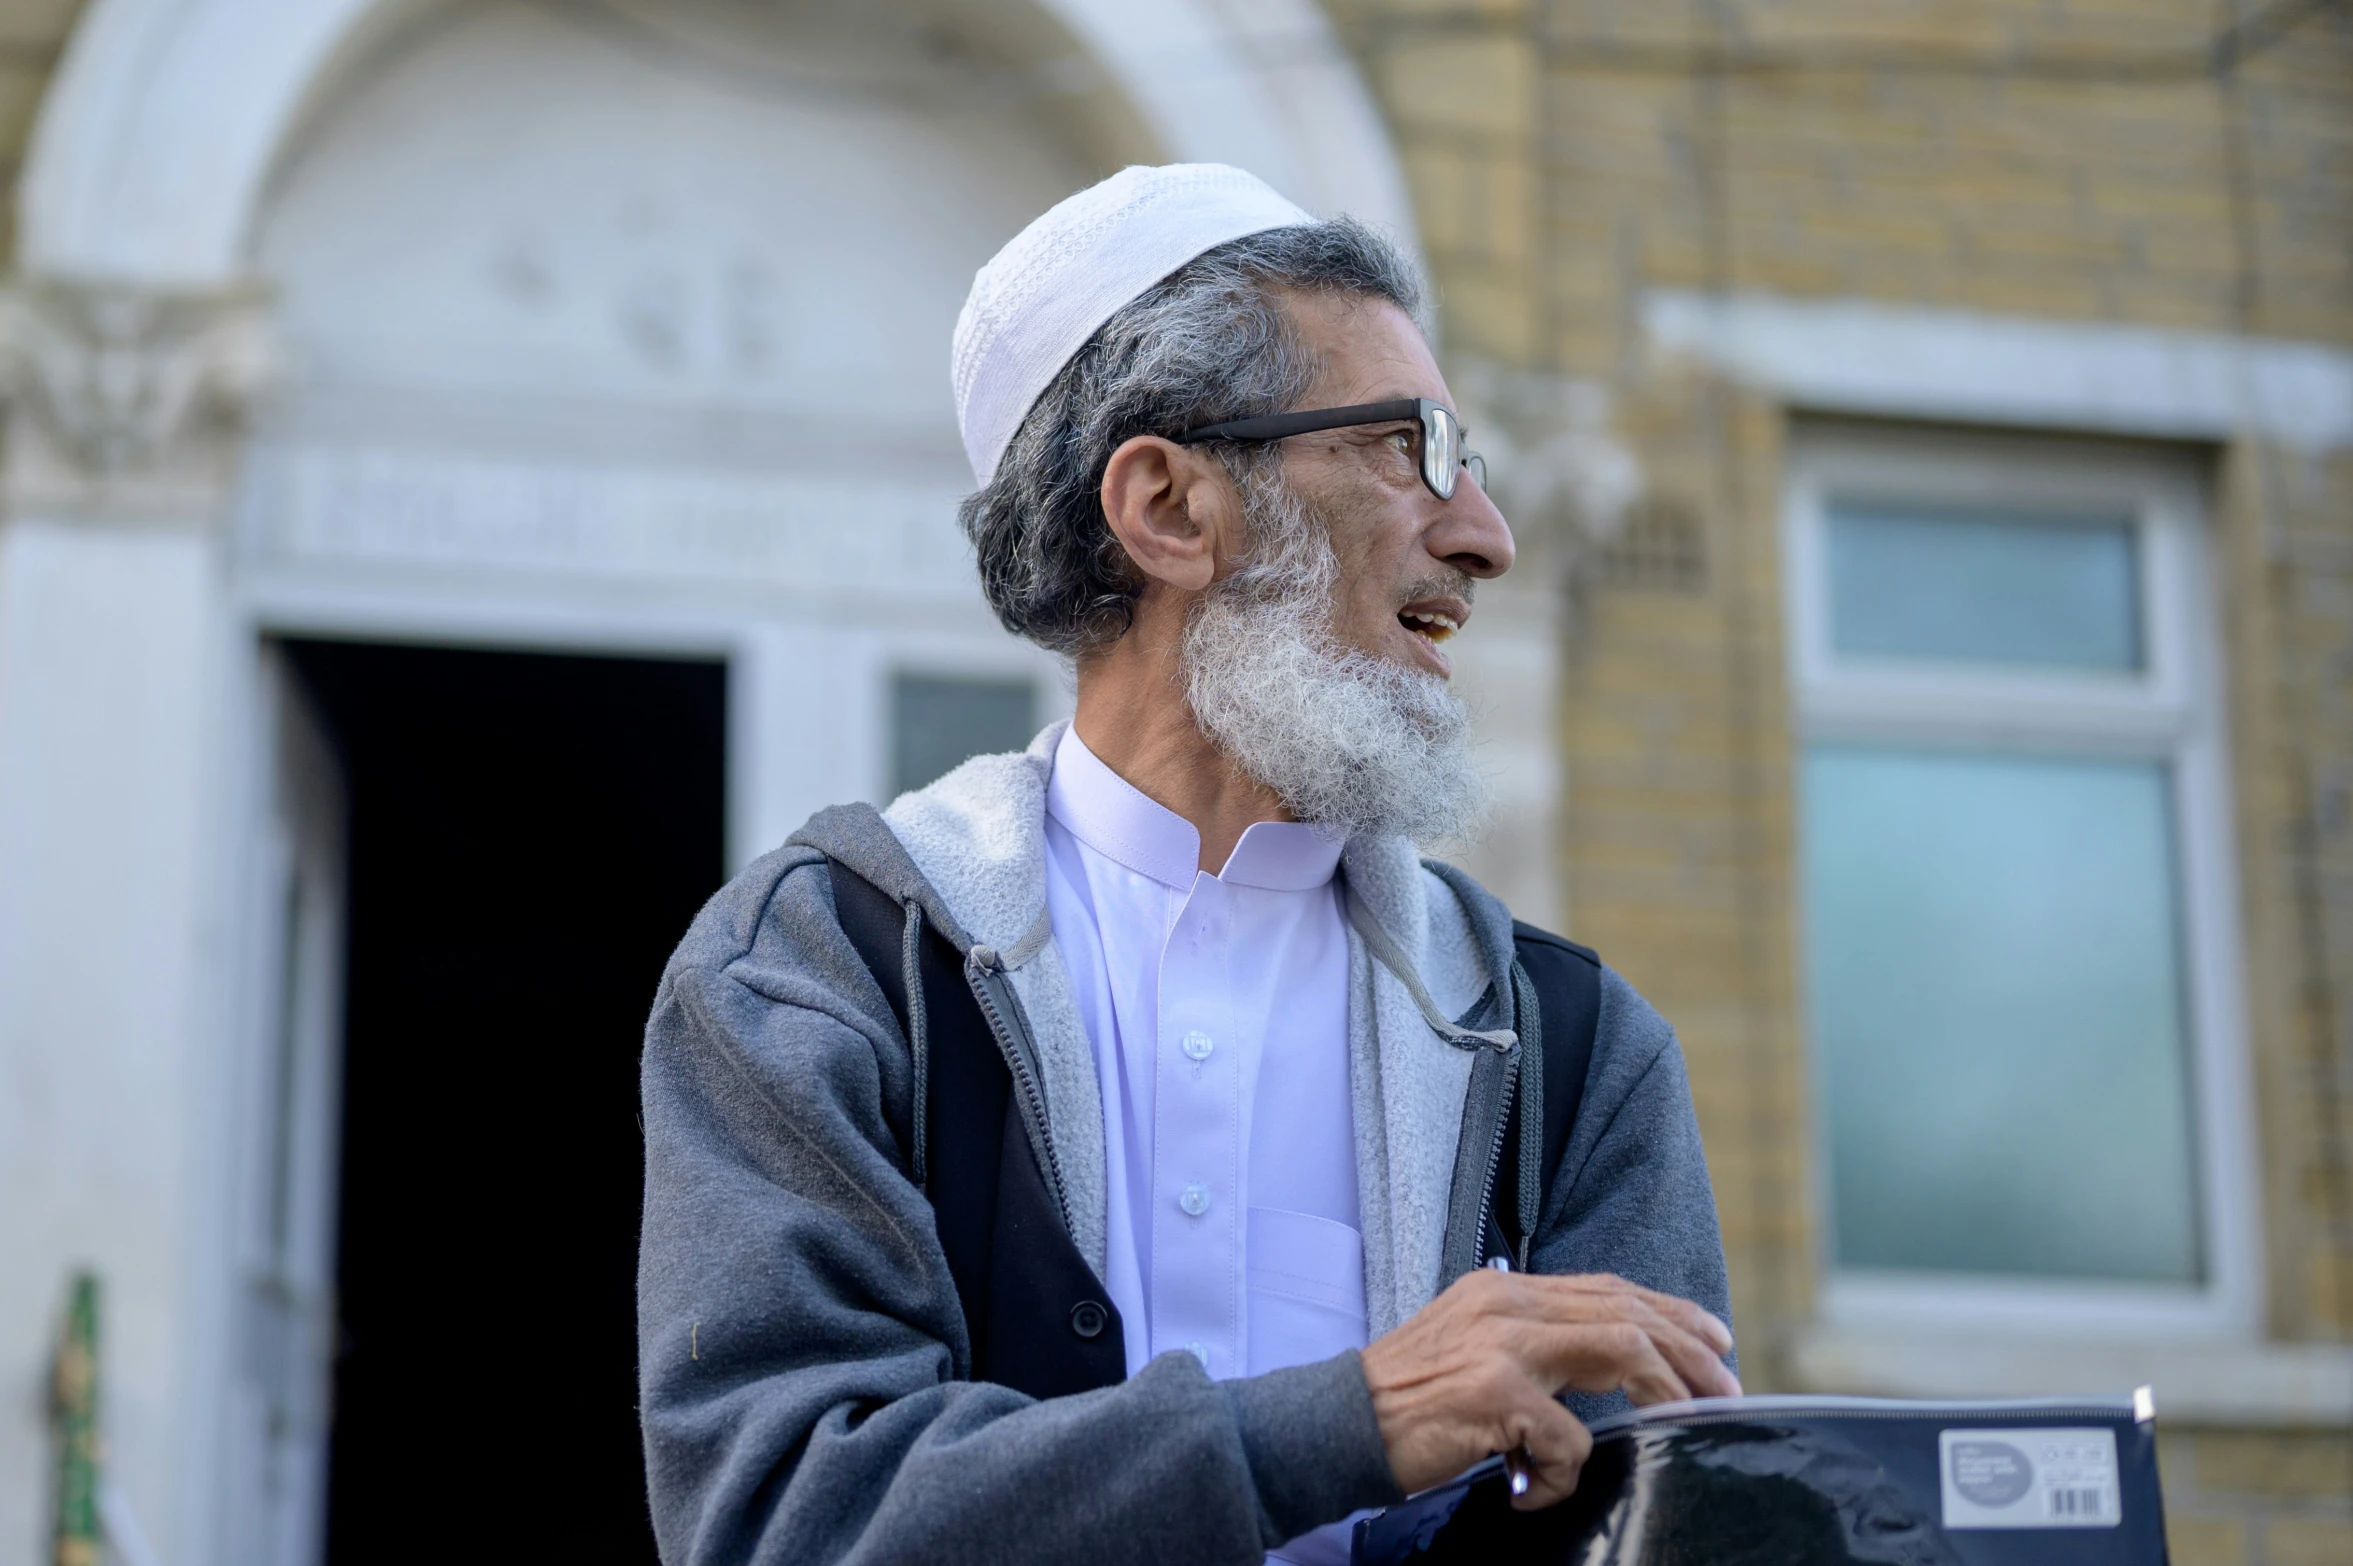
(1972, 367)
(359, 510)
(597, 325)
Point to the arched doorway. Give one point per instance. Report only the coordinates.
(599, 332)
(586, 307)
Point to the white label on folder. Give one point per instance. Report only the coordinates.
(2026, 1478)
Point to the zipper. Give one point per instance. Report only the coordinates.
(1528, 1022)
(1511, 1088)
(993, 989)
(1752, 1410)
(1708, 1411)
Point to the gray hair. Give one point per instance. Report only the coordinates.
(1207, 343)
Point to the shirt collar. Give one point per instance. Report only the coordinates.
(1124, 824)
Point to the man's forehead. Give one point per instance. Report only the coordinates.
(1364, 346)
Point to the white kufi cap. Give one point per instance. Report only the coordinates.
(1057, 281)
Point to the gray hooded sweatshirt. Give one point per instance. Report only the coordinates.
(803, 1366)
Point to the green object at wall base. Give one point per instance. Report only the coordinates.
(74, 1416)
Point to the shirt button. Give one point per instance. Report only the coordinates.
(1194, 1199)
(1197, 1045)
(1199, 1351)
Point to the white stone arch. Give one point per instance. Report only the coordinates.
(156, 141)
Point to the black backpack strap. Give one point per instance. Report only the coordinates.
(1559, 1005)
(877, 931)
(1037, 1318)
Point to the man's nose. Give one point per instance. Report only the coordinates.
(1471, 534)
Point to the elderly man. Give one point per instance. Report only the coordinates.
(1106, 1153)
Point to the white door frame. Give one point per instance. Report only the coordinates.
(289, 1090)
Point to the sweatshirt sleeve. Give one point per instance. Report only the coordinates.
(798, 1327)
(1632, 1196)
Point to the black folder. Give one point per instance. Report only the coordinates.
(1794, 1481)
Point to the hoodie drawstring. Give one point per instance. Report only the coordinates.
(1377, 941)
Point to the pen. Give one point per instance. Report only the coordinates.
(1515, 1461)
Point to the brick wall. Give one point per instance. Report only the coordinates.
(2134, 161)
(2240, 1497)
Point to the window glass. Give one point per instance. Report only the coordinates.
(1997, 1013)
(1975, 588)
(939, 722)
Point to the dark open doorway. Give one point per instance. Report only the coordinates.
(530, 836)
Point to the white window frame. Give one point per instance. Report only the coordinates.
(2172, 710)
(939, 657)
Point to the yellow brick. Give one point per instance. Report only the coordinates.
(2206, 1541)
(2313, 1465)
(1482, 83)
(2307, 1541)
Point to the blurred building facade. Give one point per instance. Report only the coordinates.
(1930, 678)
(1863, 287)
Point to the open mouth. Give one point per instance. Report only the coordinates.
(1429, 623)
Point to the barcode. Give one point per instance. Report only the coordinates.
(2079, 1503)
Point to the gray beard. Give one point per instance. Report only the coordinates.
(1347, 740)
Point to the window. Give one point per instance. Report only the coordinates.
(2014, 884)
(940, 721)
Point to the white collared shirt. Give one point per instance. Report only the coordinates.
(1218, 1011)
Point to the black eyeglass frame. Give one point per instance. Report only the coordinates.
(1442, 455)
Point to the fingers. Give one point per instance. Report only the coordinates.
(1557, 1447)
(1690, 1340)
(1692, 1358)
(1705, 1325)
(1605, 1290)
(1609, 1358)
(1479, 1368)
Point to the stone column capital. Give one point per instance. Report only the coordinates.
(124, 400)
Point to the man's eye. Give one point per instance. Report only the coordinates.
(1402, 441)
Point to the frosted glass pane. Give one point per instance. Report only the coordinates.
(1997, 1014)
(937, 724)
(1979, 588)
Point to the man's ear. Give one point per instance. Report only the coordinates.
(1173, 510)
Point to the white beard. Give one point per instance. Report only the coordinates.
(1348, 740)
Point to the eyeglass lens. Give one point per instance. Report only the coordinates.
(1443, 458)
(1441, 452)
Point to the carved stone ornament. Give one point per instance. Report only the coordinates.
(128, 392)
(1563, 473)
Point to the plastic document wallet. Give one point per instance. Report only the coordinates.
(1780, 1481)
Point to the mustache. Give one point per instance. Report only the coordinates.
(1445, 581)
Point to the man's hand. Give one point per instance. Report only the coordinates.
(1478, 1370)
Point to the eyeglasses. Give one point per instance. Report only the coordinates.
(1442, 454)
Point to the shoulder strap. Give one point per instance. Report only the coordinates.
(1036, 1317)
(1564, 981)
(876, 927)
(1568, 985)
(877, 930)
